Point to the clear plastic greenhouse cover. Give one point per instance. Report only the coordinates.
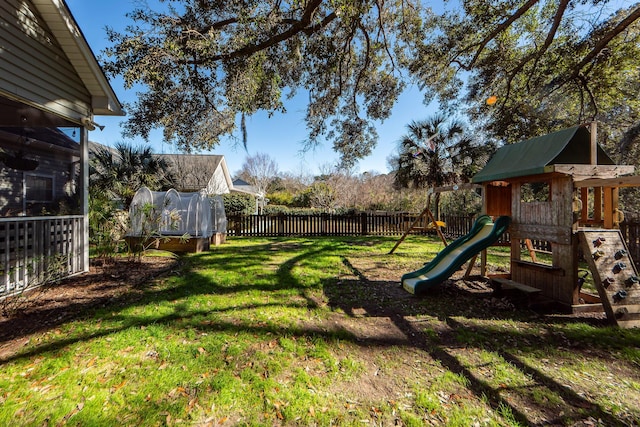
(170, 213)
(218, 217)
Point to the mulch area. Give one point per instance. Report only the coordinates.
(46, 308)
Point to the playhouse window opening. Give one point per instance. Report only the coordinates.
(594, 203)
(536, 251)
(535, 192)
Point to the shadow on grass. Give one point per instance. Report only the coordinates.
(376, 298)
(448, 304)
(190, 281)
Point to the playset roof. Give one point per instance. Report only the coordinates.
(538, 155)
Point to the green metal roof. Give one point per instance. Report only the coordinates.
(531, 157)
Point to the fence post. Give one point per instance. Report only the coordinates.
(238, 225)
(281, 223)
(363, 223)
(323, 223)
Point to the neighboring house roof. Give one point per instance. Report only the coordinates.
(95, 146)
(534, 156)
(242, 186)
(193, 172)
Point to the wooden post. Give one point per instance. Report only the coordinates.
(608, 207)
(584, 197)
(532, 252)
(597, 204)
(84, 195)
(472, 262)
(593, 129)
(363, 224)
(435, 224)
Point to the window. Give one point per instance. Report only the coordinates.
(38, 188)
(535, 192)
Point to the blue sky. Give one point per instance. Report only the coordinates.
(280, 136)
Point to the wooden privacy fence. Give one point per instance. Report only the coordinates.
(377, 224)
(34, 250)
(359, 224)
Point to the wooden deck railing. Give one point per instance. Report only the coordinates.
(34, 250)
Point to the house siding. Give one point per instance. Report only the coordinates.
(33, 67)
(218, 183)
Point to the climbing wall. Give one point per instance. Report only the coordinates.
(614, 274)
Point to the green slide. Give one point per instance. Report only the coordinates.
(483, 234)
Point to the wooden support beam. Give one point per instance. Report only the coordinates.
(584, 197)
(597, 204)
(582, 172)
(608, 208)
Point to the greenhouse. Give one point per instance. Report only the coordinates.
(218, 220)
(186, 221)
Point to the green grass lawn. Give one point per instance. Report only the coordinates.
(298, 331)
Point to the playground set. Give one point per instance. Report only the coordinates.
(576, 214)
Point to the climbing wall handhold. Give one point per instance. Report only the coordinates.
(619, 266)
(620, 254)
(620, 295)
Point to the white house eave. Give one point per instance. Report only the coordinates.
(227, 176)
(57, 15)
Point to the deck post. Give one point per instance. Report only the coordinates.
(84, 196)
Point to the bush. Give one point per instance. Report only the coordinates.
(107, 227)
(235, 203)
(283, 198)
(275, 210)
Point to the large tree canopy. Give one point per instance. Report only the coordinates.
(549, 63)
(205, 65)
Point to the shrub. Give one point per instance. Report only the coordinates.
(284, 198)
(107, 227)
(235, 203)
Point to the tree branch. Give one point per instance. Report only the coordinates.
(603, 42)
(365, 66)
(537, 54)
(500, 28)
(384, 34)
(300, 26)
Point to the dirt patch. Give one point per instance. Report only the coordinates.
(44, 309)
(390, 325)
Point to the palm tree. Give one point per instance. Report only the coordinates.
(435, 153)
(119, 174)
